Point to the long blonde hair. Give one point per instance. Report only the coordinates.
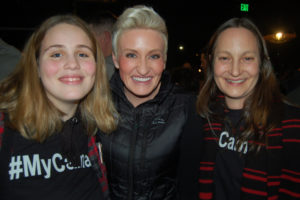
(24, 99)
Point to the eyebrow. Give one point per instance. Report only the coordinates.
(81, 46)
(228, 52)
(151, 51)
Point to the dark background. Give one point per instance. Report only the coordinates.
(190, 23)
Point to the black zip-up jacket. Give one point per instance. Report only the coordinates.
(142, 154)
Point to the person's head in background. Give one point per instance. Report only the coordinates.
(102, 25)
(61, 68)
(140, 43)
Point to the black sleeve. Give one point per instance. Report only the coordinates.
(190, 153)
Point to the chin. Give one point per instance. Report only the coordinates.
(74, 97)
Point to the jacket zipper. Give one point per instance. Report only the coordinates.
(131, 156)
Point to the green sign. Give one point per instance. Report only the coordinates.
(244, 7)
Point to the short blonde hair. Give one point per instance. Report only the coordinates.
(139, 16)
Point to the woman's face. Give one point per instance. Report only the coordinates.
(236, 65)
(67, 65)
(140, 62)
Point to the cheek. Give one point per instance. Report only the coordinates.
(254, 70)
(48, 68)
(218, 69)
(90, 67)
(159, 66)
(125, 65)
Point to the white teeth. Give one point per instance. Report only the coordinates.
(72, 79)
(142, 79)
(237, 81)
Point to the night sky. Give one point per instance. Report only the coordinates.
(190, 22)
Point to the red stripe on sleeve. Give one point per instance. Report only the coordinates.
(249, 176)
(291, 140)
(256, 192)
(291, 172)
(256, 171)
(293, 194)
(274, 183)
(207, 168)
(291, 126)
(290, 178)
(274, 134)
(205, 181)
(274, 147)
(273, 198)
(291, 120)
(205, 195)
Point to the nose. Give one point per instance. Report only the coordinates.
(72, 63)
(142, 66)
(235, 69)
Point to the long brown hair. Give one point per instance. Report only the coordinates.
(261, 108)
(24, 99)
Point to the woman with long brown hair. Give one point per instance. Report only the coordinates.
(251, 133)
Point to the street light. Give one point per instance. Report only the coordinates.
(279, 37)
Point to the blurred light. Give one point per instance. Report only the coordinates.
(199, 70)
(279, 37)
(181, 47)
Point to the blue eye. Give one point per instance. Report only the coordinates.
(56, 55)
(130, 55)
(155, 56)
(83, 55)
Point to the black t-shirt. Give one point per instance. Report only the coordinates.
(32, 170)
(229, 160)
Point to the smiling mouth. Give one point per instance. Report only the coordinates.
(235, 81)
(141, 79)
(71, 79)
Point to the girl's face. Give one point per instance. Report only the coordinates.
(236, 65)
(67, 65)
(140, 62)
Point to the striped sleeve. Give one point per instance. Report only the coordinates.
(290, 173)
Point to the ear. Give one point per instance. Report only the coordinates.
(116, 63)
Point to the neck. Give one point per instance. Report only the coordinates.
(137, 100)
